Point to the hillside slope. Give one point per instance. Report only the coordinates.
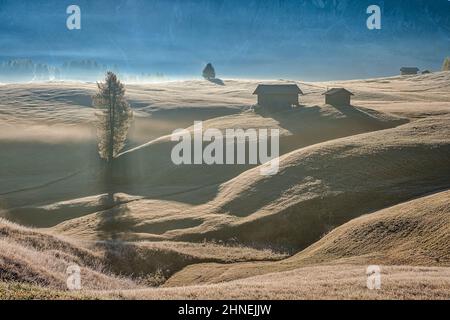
(328, 184)
(298, 128)
(53, 121)
(33, 264)
(415, 233)
(314, 283)
(148, 171)
(317, 189)
(34, 257)
(342, 199)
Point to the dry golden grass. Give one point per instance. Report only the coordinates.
(320, 282)
(324, 282)
(37, 258)
(54, 120)
(412, 233)
(317, 189)
(23, 291)
(415, 233)
(314, 192)
(152, 218)
(41, 259)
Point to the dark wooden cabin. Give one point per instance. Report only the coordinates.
(409, 71)
(338, 97)
(278, 97)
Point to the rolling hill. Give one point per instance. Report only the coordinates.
(317, 189)
(359, 185)
(415, 233)
(38, 258)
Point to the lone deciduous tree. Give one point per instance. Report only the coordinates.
(446, 65)
(209, 72)
(114, 118)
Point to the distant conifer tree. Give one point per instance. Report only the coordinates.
(209, 72)
(446, 65)
(114, 118)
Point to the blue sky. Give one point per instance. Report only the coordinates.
(310, 39)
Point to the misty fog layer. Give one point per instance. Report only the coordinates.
(150, 40)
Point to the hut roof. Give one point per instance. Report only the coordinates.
(413, 69)
(334, 91)
(278, 89)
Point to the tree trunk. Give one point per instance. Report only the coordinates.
(112, 107)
